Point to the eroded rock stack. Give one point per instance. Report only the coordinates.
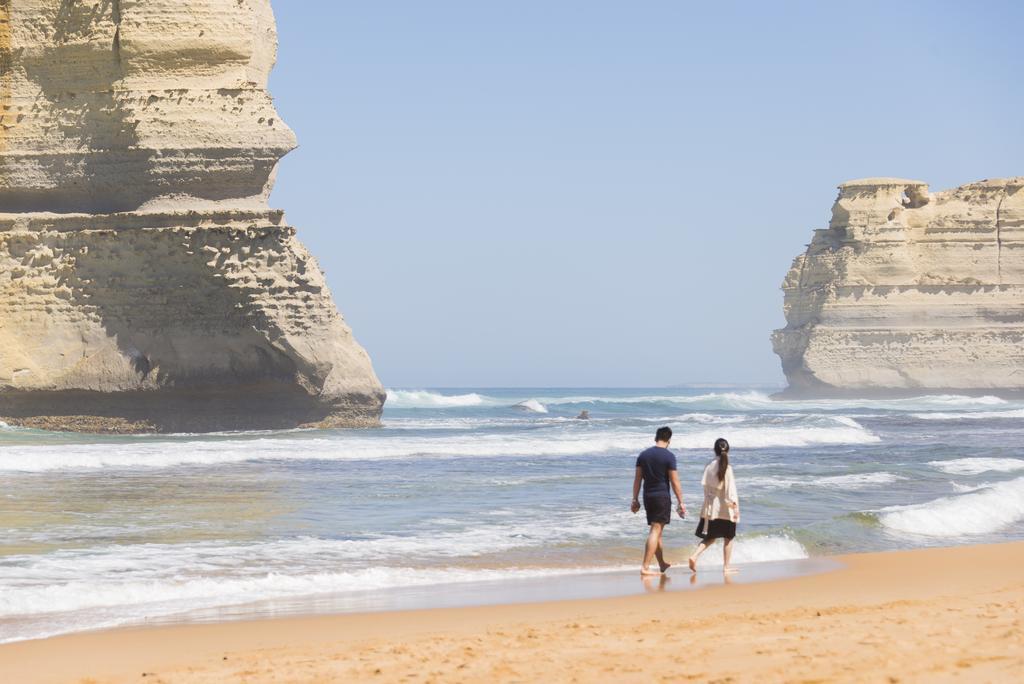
(144, 283)
(910, 290)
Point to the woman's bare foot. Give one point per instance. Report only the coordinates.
(729, 570)
(648, 571)
(693, 565)
(664, 566)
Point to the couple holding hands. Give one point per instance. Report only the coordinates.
(656, 471)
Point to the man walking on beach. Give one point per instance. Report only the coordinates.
(656, 468)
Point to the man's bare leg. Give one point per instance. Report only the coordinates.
(653, 542)
(727, 556)
(660, 555)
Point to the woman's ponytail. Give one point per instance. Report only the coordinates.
(722, 452)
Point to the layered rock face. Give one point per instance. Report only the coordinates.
(144, 283)
(910, 290)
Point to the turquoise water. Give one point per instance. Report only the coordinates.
(468, 485)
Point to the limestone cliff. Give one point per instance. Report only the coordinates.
(910, 290)
(144, 282)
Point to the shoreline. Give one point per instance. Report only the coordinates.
(909, 615)
(560, 585)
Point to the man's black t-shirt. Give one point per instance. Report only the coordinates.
(655, 464)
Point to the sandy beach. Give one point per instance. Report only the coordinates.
(950, 614)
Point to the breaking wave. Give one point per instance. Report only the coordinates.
(759, 400)
(759, 549)
(425, 399)
(531, 405)
(979, 512)
(964, 488)
(705, 419)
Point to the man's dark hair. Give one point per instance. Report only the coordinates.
(663, 434)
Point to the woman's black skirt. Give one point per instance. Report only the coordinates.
(717, 528)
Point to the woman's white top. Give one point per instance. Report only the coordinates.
(720, 498)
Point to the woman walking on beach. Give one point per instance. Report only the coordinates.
(721, 509)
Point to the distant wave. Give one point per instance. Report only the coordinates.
(742, 401)
(531, 405)
(532, 416)
(970, 415)
(963, 489)
(786, 435)
(851, 481)
(754, 399)
(426, 399)
(975, 466)
(349, 446)
(980, 512)
(524, 419)
(705, 419)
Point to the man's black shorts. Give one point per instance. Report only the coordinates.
(658, 509)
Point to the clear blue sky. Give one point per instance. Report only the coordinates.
(588, 193)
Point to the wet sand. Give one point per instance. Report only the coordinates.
(926, 615)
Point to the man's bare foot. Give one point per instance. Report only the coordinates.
(693, 565)
(664, 566)
(648, 571)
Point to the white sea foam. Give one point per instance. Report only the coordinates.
(531, 405)
(79, 605)
(963, 489)
(850, 481)
(970, 415)
(373, 445)
(116, 584)
(980, 512)
(975, 466)
(788, 435)
(476, 423)
(433, 541)
(183, 595)
(758, 550)
(204, 574)
(425, 399)
(705, 419)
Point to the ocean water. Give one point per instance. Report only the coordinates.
(465, 486)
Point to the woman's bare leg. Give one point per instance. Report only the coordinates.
(727, 556)
(701, 548)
